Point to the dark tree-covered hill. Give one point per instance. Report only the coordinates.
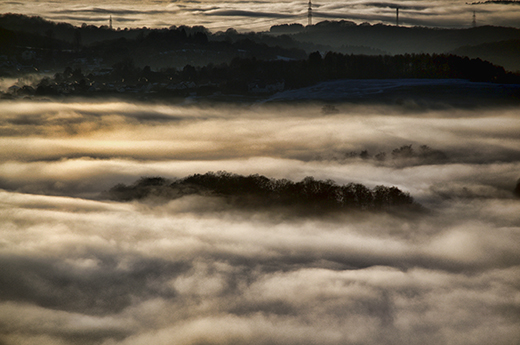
(257, 191)
(397, 39)
(157, 48)
(504, 53)
(248, 75)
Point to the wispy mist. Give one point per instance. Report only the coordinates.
(78, 269)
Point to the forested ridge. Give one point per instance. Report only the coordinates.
(243, 74)
(257, 191)
(183, 61)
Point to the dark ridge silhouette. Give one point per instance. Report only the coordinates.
(503, 53)
(244, 75)
(177, 47)
(64, 31)
(283, 39)
(401, 39)
(259, 192)
(12, 39)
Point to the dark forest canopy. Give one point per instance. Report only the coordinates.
(338, 36)
(53, 46)
(260, 192)
(242, 74)
(390, 38)
(503, 53)
(396, 39)
(183, 61)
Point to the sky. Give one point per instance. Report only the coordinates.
(260, 15)
(78, 269)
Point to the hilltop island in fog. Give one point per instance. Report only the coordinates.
(331, 184)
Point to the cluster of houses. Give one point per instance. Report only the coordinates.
(66, 88)
(7, 66)
(49, 86)
(259, 87)
(98, 71)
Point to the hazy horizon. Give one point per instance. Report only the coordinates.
(261, 15)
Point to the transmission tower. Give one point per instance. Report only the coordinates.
(110, 21)
(474, 20)
(309, 13)
(397, 16)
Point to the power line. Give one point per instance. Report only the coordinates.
(309, 13)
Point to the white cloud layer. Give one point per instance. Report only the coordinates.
(76, 269)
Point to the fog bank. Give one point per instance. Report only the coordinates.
(78, 269)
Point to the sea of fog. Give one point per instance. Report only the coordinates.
(78, 269)
(260, 15)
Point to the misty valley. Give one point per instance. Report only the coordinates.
(338, 183)
(115, 231)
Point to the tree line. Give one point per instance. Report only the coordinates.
(237, 76)
(259, 192)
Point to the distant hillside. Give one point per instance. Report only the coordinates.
(396, 40)
(38, 44)
(44, 44)
(11, 40)
(62, 31)
(503, 53)
(279, 36)
(92, 35)
(284, 41)
(175, 48)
